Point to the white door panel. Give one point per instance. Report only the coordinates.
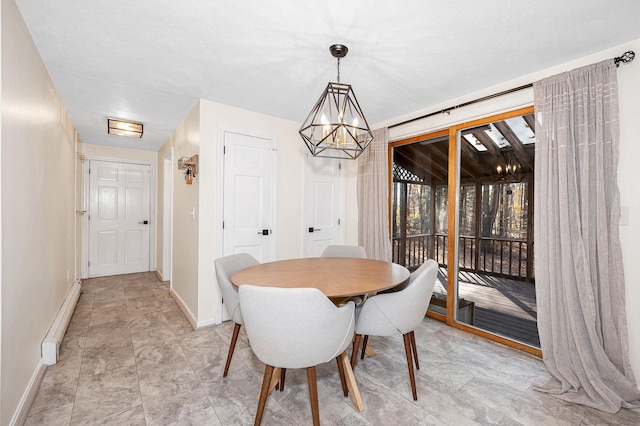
(249, 196)
(323, 204)
(119, 204)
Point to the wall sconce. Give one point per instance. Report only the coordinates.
(132, 129)
(190, 166)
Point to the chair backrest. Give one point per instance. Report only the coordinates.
(411, 278)
(295, 327)
(344, 251)
(400, 312)
(225, 268)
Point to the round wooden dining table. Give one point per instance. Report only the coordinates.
(336, 277)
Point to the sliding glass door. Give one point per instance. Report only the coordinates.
(464, 196)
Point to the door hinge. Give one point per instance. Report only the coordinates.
(224, 150)
(339, 166)
(338, 222)
(88, 263)
(89, 171)
(89, 217)
(223, 224)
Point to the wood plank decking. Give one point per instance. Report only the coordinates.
(502, 306)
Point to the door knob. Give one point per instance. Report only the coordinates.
(264, 232)
(312, 229)
(144, 222)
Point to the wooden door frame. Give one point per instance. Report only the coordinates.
(86, 207)
(453, 132)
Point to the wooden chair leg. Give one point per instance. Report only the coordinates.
(343, 380)
(364, 346)
(407, 350)
(283, 373)
(273, 381)
(354, 353)
(264, 392)
(232, 346)
(351, 381)
(415, 350)
(313, 395)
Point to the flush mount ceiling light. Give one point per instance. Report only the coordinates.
(336, 126)
(128, 128)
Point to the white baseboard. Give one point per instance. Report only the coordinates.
(195, 324)
(29, 395)
(51, 343)
(185, 310)
(206, 323)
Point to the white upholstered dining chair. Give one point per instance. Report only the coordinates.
(400, 312)
(296, 328)
(225, 268)
(344, 251)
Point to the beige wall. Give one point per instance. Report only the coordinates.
(628, 171)
(115, 153)
(38, 212)
(185, 141)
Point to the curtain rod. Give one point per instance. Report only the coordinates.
(625, 58)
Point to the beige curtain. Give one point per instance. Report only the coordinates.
(578, 267)
(373, 198)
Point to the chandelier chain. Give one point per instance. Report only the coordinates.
(338, 70)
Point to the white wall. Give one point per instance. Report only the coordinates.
(198, 242)
(38, 212)
(214, 119)
(628, 170)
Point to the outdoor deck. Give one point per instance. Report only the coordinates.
(503, 306)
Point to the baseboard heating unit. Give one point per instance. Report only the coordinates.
(51, 343)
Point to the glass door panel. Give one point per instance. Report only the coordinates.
(495, 283)
(420, 209)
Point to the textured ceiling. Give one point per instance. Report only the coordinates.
(150, 60)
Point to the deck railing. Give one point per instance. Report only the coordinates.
(497, 256)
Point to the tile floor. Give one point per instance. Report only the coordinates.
(130, 357)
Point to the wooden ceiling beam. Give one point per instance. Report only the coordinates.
(474, 157)
(415, 166)
(518, 148)
(439, 156)
(422, 158)
(531, 122)
(487, 142)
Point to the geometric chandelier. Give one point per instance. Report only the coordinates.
(336, 126)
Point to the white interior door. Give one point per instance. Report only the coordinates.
(323, 204)
(249, 196)
(119, 217)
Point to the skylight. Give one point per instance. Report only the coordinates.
(522, 130)
(474, 142)
(496, 137)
